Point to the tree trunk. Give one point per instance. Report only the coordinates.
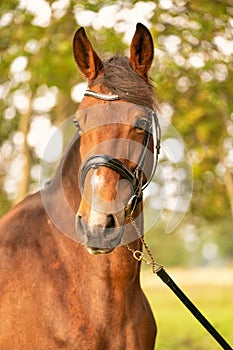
(228, 175)
(229, 188)
(23, 184)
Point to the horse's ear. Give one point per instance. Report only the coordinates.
(141, 51)
(86, 58)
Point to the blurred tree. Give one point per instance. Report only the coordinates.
(36, 56)
(194, 75)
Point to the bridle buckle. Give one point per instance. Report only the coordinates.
(132, 204)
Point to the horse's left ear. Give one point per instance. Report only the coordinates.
(85, 56)
(141, 51)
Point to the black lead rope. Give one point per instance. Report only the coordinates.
(158, 269)
(192, 308)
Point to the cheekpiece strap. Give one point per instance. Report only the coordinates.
(100, 96)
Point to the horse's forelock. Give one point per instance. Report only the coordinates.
(122, 80)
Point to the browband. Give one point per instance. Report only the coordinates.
(100, 96)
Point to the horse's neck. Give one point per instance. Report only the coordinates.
(118, 269)
(61, 197)
(65, 182)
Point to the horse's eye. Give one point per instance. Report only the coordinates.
(142, 124)
(76, 123)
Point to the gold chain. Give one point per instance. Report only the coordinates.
(138, 255)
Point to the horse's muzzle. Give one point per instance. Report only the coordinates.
(99, 239)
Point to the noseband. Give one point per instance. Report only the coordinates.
(135, 177)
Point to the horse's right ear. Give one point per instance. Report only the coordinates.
(141, 51)
(86, 58)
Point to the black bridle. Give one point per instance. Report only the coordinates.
(135, 177)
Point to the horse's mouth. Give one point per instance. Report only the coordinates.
(100, 240)
(97, 251)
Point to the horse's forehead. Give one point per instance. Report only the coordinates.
(106, 114)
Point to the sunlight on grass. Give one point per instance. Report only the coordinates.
(177, 327)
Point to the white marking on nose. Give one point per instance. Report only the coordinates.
(100, 208)
(96, 181)
(96, 217)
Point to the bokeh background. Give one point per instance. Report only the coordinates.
(192, 73)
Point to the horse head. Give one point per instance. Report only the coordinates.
(115, 121)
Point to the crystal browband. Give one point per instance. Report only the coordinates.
(100, 96)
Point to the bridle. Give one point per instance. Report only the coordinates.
(135, 177)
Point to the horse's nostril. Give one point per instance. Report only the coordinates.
(78, 219)
(110, 221)
(79, 224)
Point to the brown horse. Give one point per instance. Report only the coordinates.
(54, 294)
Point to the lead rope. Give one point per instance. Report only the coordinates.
(138, 255)
(158, 269)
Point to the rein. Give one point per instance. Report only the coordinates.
(135, 177)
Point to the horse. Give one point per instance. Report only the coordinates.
(63, 292)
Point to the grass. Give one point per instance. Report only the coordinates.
(177, 327)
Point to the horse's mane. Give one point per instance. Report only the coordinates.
(122, 80)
